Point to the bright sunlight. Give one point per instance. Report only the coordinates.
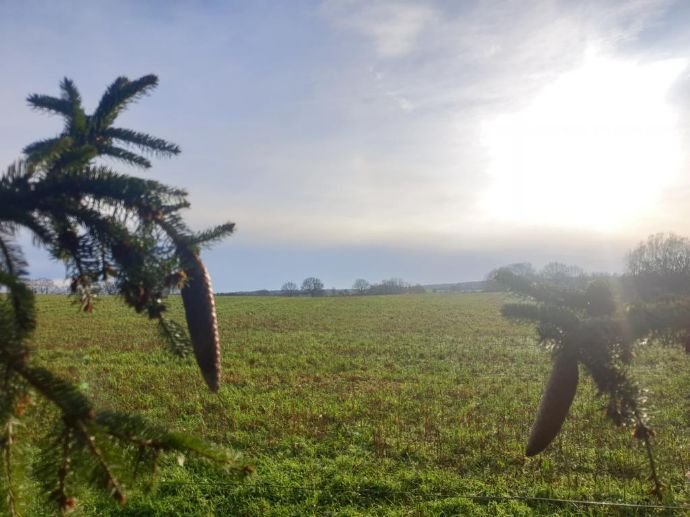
(594, 150)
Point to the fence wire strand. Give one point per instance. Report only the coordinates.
(431, 496)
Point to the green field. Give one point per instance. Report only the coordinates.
(395, 405)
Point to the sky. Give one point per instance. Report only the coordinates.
(427, 140)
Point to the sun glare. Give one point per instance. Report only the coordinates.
(594, 149)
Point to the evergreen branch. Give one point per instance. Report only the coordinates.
(42, 235)
(540, 291)
(77, 122)
(17, 175)
(70, 92)
(47, 150)
(214, 234)
(124, 155)
(50, 104)
(24, 313)
(585, 321)
(521, 311)
(143, 141)
(71, 402)
(175, 336)
(74, 158)
(11, 258)
(134, 192)
(138, 432)
(118, 95)
(111, 482)
(65, 502)
(95, 219)
(7, 444)
(146, 197)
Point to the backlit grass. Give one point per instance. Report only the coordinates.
(366, 405)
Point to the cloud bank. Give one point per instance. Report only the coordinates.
(357, 125)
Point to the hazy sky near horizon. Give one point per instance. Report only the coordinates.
(427, 140)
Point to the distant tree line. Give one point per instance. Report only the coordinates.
(46, 286)
(394, 286)
(313, 286)
(50, 286)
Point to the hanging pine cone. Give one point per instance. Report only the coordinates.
(555, 404)
(200, 312)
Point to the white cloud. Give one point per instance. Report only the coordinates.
(394, 27)
(358, 123)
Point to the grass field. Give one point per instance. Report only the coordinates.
(396, 405)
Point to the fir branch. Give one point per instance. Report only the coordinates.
(11, 258)
(84, 137)
(70, 92)
(78, 121)
(142, 141)
(124, 155)
(50, 104)
(24, 314)
(111, 482)
(176, 338)
(140, 433)
(119, 95)
(71, 402)
(48, 150)
(212, 235)
(587, 323)
(103, 225)
(7, 444)
(64, 501)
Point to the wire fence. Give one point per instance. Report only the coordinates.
(411, 497)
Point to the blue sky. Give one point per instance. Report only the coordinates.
(425, 140)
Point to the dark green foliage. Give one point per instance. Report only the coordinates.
(173, 334)
(598, 322)
(106, 227)
(87, 136)
(584, 323)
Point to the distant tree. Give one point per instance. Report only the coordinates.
(289, 289)
(562, 274)
(110, 288)
(521, 269)
(657, 283)
(660, 266)
(360, 286)
(43, 286)
(417, 289)
(664, 254)
(312, 286)
(390, 286)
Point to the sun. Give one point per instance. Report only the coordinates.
(593, 150)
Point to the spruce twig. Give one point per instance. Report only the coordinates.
(104, 226)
